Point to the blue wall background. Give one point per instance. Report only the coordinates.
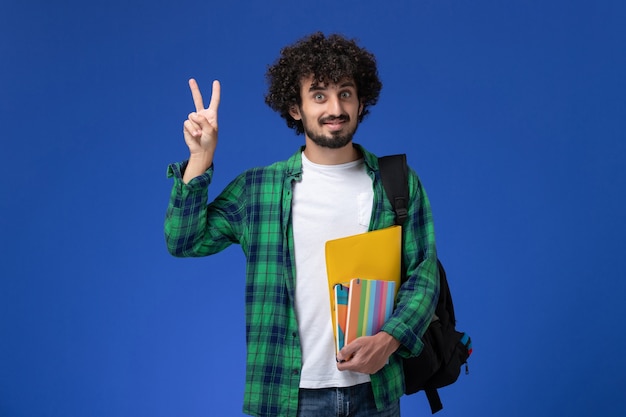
(513, 114)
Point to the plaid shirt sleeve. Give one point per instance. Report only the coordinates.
(417, 297)
(193, 228)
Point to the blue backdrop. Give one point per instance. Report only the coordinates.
(513, 114)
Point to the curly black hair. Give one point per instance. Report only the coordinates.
(331, 59)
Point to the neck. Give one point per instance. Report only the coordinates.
(327, 156)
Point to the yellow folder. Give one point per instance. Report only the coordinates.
(371, 255)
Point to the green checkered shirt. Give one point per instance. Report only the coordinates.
(255, 211)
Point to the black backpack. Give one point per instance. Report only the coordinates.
(445, 349)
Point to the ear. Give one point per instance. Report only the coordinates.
(294, 111)
(361, 108)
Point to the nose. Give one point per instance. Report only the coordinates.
(335, 107)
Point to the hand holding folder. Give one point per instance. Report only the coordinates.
(368, 256)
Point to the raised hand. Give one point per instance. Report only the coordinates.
(200, 131)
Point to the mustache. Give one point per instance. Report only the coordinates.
(340, 118)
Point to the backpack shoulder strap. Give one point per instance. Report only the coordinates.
(394, 174)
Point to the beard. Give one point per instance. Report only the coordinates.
(335, 140)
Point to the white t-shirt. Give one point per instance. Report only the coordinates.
(330, 202)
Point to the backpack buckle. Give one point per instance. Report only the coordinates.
(401, 211)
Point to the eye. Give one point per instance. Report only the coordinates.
(346, 94)
(319, 97)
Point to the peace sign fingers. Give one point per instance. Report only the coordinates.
(200, 131)
(197, 96)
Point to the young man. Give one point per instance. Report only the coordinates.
(283, 214)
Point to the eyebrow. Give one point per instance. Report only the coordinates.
(318, 87)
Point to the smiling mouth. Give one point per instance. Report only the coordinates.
(335, 123)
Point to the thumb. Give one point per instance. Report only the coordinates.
(346, 353)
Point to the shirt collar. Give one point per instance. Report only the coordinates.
(294, 163)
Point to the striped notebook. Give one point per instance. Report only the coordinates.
(370, 304)
(341, 313)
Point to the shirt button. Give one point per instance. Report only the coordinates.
(296, 371)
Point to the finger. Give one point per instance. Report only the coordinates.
(200, 120)
(193, 125)
(215, 96)
(195, 93)
(346, 353)
(349, 365)
(192, 128)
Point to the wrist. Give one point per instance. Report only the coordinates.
(392, 344)
(201, 159)
(196, 166)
